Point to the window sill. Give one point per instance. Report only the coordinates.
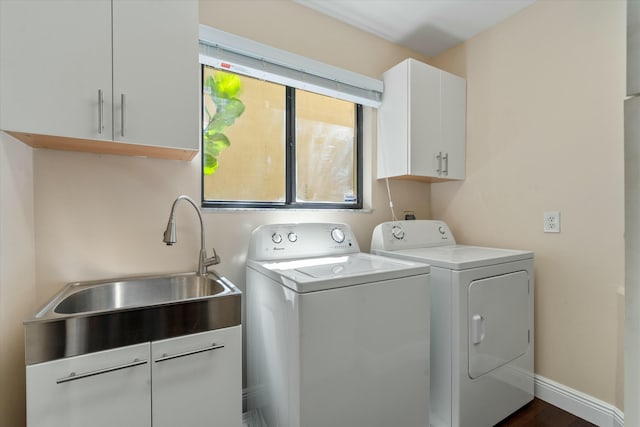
(233, 210)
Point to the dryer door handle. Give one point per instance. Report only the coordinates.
(477, 329)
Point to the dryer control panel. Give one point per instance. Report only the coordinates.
(301, 240)
(396, 235)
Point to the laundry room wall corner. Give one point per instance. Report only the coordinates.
(545, 132)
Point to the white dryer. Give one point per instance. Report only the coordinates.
(335, 337)
(482, 347)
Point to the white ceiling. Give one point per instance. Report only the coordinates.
(425, 26)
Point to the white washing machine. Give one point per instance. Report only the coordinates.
(481, 322)
(335, 337)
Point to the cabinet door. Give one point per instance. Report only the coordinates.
(107, 388)
(197, 380)
(454, 119)
(55, 56)
(393, 123)
(424, 120)
(633, 47)
(156, 72)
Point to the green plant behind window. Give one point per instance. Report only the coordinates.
(223, 89)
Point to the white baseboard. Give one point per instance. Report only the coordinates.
(577, 403)
(573, 401)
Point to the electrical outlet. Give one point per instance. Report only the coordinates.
(552, 222)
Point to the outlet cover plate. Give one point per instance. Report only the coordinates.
(552, 222)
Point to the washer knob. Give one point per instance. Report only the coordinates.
(397, 232)
(276, 238)
(293, 237)
(337, 235)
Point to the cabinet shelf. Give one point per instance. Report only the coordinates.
(103, 147)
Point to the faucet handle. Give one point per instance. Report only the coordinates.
(215, 259)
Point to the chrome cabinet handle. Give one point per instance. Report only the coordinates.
(100, 112)
(439, 157)
(166, 356)
(123, 112)
(445, 157)
(73, 376)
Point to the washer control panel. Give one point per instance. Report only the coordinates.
(395, 235)
(301, 240)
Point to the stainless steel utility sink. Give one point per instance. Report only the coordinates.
(91, 316)
(136, 292)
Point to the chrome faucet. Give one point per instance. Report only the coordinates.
(170, 236)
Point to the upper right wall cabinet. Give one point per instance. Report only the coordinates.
(422, 124)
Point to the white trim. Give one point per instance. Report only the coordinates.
(573, 401)
(577, 403)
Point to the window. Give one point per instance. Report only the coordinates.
(271, 145)
(279, 129)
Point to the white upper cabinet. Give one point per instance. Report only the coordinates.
(55, 57)
(633, 48)
(422, 123)
(453, 102)
(122, 72)
(156, 72)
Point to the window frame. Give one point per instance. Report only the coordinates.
(290, 201)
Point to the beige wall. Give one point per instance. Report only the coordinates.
(289, 26)
(17, 275)
(545, 132)
(100, 216)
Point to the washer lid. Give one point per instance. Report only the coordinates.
(459, 257)
(316, 274)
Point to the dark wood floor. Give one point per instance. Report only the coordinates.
(539, 413)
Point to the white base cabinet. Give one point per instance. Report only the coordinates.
(189, 381)
(104, 389)
(197, 380)
(422, 124)
(118, 76)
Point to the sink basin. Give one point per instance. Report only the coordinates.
(100, 296)
(91, 316)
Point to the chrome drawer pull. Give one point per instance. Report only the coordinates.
(165, 356)
(73, 376)
(439, 158)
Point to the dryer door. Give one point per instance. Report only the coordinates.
(498, 321)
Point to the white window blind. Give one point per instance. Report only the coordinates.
(243, 56)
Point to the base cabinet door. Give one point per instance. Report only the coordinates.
(197, 380)
(102, 389)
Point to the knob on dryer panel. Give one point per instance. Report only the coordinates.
(395, 235)
(425, 233)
